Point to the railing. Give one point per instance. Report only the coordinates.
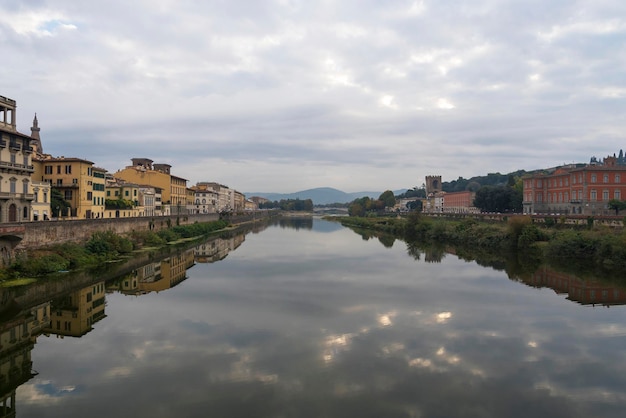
(25, 196)
(16, 165)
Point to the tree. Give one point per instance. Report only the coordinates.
(388, 199)
(617, 205)
(498, 199)
(57, 203)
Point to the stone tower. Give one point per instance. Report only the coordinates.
(35, 139)
(433, 184)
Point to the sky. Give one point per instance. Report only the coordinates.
(287, 95)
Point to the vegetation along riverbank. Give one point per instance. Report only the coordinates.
(592, 248)
(102, 247)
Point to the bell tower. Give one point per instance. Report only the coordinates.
(35, 139)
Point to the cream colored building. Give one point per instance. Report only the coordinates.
(16, 167)
(40, 205)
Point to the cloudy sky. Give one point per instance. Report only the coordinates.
(285, 95)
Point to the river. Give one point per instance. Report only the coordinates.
(306, 318)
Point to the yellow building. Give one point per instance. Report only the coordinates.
(15, 167)
(173, 188)
(74, 178)
(128, 193)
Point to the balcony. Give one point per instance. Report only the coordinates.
(17, 166)
(22, 196)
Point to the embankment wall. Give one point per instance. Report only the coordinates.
(41, 234)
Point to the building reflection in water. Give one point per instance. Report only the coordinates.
(217, 249)
(155, 277)
(583, 291)
(18, 335)
(74, 314)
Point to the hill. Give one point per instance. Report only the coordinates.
(319, 196)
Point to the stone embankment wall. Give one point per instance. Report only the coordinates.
(40, 234)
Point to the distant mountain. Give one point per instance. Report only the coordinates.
(319, 196)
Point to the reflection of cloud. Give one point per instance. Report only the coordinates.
(120, 371)
(443, 317)
(334, 344)
(386, 319)
(45, 392)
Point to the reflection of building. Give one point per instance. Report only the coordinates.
(75, 313)
(17, 339)
(585, 292)
(172, 271)
(217, 249)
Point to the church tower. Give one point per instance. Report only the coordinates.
(36, 140)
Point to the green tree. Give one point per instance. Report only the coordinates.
(388, 199)
(498, 199)
(617, 205)
(57, 203)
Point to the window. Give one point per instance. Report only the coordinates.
(58, 169)
(605, 195)
(89, 195)
(126, 193)
(538, 183)
(108, 193)
(13, 160)
(566, 196)
(580, 195)
(68, 195)
(593, 178)
(593, 195)
(25, 187)
(618, 195)
(538, 198)
(566, 181)
(605, 178)
(45, 197)
(26, 161)
(48, 169)
(618, 179)
(36, 196)
(68, 169)
(74, 181)
(134, 192)
(13, 185)
(59, 182)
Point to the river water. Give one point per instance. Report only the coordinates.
(307, 318)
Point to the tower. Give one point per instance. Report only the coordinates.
(35, 139)
(433, 184)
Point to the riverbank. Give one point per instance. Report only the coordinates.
(595, 249)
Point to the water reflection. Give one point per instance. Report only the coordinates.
(331, 325)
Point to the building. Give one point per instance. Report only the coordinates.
(583, 189)
(173, 188)
(16, 167)
(40, 205)
(205, 198)
(122, 199)
(79, 182)
(459, 202)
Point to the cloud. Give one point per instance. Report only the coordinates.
(342, 87)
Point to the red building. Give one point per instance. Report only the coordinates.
(575, 189)
(459, 202)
